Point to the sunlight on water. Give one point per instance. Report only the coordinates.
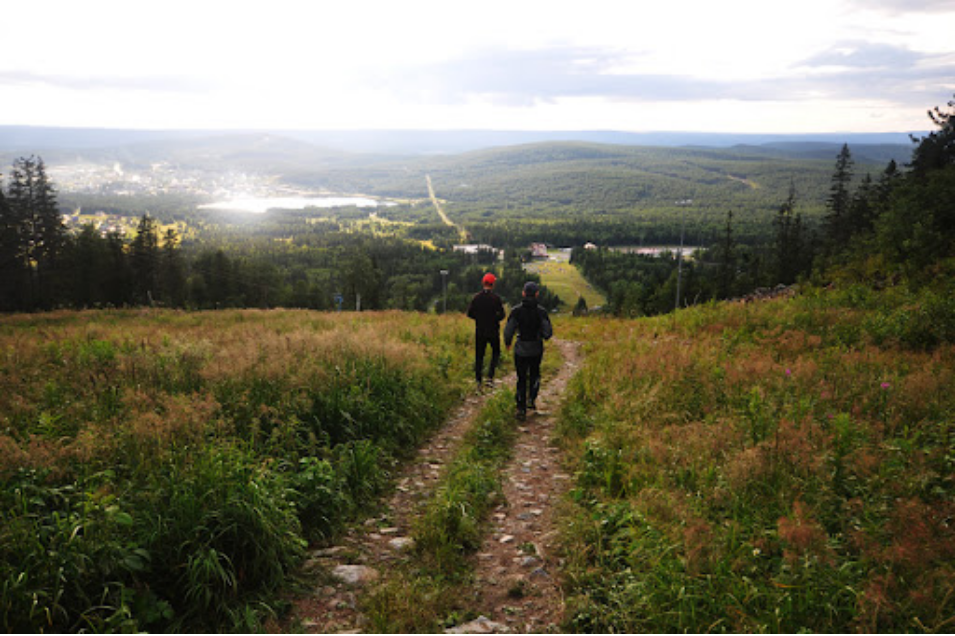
(260, 205)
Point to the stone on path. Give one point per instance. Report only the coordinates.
(355, 574)
(481, 625)
(401, 544)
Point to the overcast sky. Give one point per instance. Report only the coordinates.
(692, 65)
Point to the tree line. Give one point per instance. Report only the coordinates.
(899, 223)
(44, 266)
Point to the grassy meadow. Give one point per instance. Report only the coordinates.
(778, 466)
(782, 466)
(163, 471)
(566, 281)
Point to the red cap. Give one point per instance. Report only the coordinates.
(488, 279)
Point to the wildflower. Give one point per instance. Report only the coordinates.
(886, 386)
(789, 372)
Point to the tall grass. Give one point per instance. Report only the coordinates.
(782, 466)
(163, 470)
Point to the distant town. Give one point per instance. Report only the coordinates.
(159, 178)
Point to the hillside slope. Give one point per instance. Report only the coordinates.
(778, 466)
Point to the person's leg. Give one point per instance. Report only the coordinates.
(495, 342)
(522, 366)
(479, 348)
(534, 379)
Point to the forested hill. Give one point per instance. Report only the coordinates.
(563, 192)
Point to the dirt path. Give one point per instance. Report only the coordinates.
(515, 569)
(462, 233)
(517, 565)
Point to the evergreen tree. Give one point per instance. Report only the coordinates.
(727, 261)
(792, 251)
(836, 222)
(937, 150)
(917, 226)
(118, 281)
(580, 309)
(172, 274)
(862, 208)
(40, 229)
(89, 260)
(144, 258)
(12, 269)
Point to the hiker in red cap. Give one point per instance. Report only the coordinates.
(487, 312)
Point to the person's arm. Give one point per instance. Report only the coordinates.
(499, 310)
(547, 329)
(471, 309)
(510, 328)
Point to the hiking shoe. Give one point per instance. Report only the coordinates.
(489, 383)
(520, 415)
(531, 406)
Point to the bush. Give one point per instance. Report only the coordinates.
(227, 532)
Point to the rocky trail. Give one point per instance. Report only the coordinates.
(515, 571)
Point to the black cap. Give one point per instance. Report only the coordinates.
(530, 288)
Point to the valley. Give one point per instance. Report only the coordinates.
(214, 420)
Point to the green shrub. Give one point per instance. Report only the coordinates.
(69, 560)
(227, 532)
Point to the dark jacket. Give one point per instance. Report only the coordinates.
(531, 324)
(487, 312)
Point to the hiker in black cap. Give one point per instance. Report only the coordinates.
(531, 324)
(487, 312)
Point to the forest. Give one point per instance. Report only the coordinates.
(564, 194)
(287, 261)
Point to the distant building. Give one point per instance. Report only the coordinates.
(474, 248)
(589, 246)
(538, 250)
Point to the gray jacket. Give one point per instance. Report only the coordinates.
(531, 324)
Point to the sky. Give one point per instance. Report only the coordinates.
(741, 66)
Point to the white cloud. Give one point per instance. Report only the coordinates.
(493, 64)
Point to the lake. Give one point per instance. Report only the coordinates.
(260, 205)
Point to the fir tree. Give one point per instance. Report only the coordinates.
(12, 270)
(727, 260)
(40, 230)
(837, 218)
(144, 258)
(172, 276)
(937, 150)
(790, 245)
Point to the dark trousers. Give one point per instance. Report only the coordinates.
(481, 340)
(528, 379)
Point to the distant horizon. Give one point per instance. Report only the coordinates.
(498, 129)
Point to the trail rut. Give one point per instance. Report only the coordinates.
(514, 571)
